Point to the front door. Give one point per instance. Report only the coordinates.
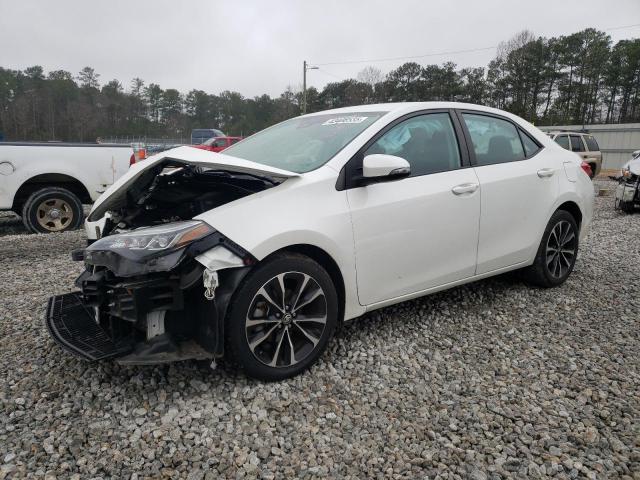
(419, 232)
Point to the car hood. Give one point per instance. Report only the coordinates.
(193, 156)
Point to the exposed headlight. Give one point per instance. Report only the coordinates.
(151, 249)
(161, 237)
(626, 173)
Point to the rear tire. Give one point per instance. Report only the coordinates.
(272, 336)
(557, 252)
(52, 209)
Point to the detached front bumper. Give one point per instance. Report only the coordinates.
(74, 327)
(151, 319)
(151, 309)
(147, 320)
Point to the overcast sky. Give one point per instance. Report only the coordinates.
(256, 47)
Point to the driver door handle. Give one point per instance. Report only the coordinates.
(546, 172)
(464, 188)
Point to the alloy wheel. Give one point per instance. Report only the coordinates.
(561, 249)
(54, 214)
(286, 319)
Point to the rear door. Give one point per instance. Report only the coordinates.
(518, 186)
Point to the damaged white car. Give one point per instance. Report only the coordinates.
(260, 253)
(627, 196)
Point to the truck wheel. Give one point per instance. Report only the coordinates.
(52, 209)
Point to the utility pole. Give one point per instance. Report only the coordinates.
(305, 67)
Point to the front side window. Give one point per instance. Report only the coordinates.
(305, 143)
(494, 140)
(592, 145)
(563, 141)
(576, 144)
(428, 142)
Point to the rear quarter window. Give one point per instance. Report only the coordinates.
(531, 147)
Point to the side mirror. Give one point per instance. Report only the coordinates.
(380, 167)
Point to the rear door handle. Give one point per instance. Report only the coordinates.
(465, 188)
(546, 172)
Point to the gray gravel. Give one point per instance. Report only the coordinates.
(490, 380)
(10, 223)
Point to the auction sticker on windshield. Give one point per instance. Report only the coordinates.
(340, 120)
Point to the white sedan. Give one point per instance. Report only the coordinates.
(258, 254)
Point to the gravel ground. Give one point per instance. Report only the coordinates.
(489, 380)
(10, 224)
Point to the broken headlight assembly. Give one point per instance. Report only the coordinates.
(144, 250)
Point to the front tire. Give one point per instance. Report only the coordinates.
(281, 318)
(52, 209)
(557, 252)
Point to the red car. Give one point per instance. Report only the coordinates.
(217, 144)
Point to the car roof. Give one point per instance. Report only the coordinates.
(410, 106)
(402, 108)
(572, 132)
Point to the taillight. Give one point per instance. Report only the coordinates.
(132, 159)
(587, 169)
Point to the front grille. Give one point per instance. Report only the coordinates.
(72, 325)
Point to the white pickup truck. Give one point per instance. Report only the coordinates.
(47, 183)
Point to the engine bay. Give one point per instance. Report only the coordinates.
(173, 191)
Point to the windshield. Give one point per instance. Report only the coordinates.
(303, 144)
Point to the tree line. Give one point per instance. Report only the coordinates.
(581, 78)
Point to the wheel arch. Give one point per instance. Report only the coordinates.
(572, 208)
(327, 262)
(59, 180)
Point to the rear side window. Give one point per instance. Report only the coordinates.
(563, 141)
(428, 142)
(576, 144)
(592, 145)
(494, 140)
(530, 146)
